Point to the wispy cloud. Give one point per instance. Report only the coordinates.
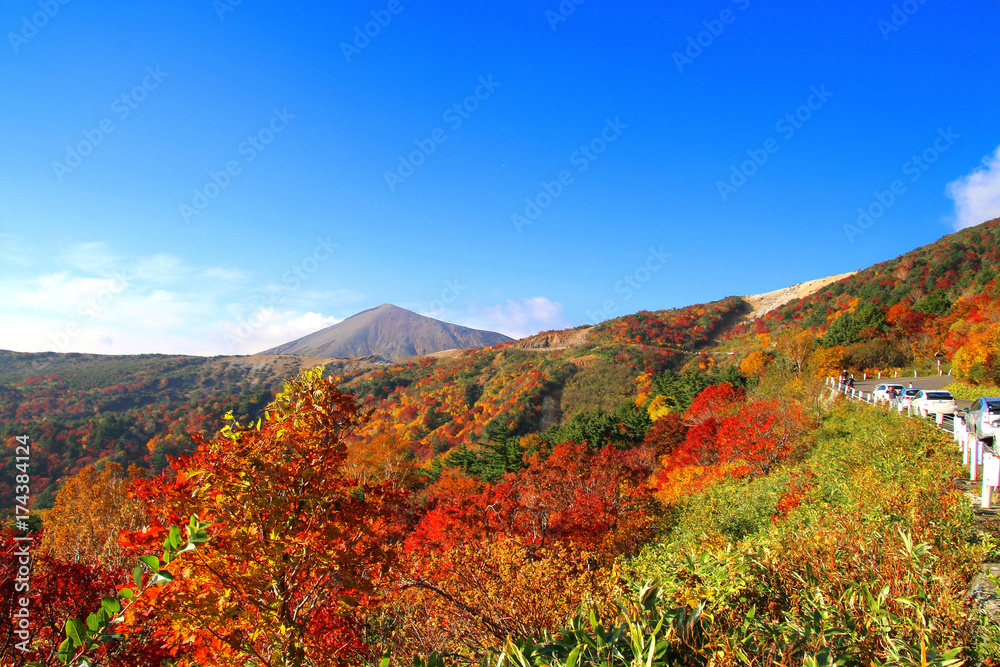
(977, 194)
(519, 318)
(270, 328)
(87, 298)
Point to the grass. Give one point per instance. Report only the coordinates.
(970, 392)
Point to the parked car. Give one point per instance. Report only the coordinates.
(983, 418)
(907, 397)
(881, 392)
(934, 401)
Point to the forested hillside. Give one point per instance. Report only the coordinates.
(942, 299)
(83, 409)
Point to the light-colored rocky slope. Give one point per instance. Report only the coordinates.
(765, 303)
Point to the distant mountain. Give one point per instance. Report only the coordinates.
(388, 331)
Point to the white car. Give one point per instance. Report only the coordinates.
(983, 418)
(881, 392)
(934, 401)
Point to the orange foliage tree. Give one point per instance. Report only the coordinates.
(90, 511)
(297, 546)
(755, 363)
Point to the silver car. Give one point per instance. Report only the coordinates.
(934, 401)
(881, 392)
(983, 418)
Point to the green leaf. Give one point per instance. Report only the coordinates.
(574, 655)
(162, 577)
(174, 538)
(137, 576)
(150, 561)
(126, 593)
(93, 623)
(64, 650)
(111, 606)
(76, 632)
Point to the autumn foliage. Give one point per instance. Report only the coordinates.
(447, 504)
(297, 549)
(729, 435)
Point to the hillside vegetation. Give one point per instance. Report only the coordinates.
(671, 487)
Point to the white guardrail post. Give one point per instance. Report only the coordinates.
(975, 458)
(991, 479)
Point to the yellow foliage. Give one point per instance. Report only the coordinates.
(754, 363)
(658, 407)
(828, 361)
(797, 347)
(643, 387)
(89, 513)
(981, 345)
(382, 458)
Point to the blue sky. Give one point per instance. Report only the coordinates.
(219, 177)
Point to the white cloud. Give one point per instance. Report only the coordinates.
(977, 194)
(217, 274)
(519, 318)
(266, 328)
(97, 302)
(92, 257)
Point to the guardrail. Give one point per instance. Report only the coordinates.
(975, 453)
(897, 374)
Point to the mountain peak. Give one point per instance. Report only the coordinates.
(388, 331)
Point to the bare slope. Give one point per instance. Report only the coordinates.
(764, 303)
(388, 331)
